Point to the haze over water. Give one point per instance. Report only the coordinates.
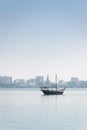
(29, 109)
(40, 37)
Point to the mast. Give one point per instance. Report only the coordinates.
(56, 81)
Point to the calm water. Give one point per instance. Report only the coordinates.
(27, 109)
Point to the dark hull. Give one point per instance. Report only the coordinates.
(53, 92)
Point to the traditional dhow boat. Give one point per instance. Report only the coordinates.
(52, 91)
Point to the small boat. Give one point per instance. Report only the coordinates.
(51, 91)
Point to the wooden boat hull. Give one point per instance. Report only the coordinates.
(52, 92)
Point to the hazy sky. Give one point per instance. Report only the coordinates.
(40, 37)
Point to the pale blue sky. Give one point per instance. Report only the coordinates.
(40, 37)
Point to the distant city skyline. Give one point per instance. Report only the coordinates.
(47, 77)
(43, 37)
(39, 81)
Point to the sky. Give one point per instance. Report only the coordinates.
(40, 37)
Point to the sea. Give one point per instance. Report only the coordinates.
(29, 109)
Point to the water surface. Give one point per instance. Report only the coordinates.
(29, 109)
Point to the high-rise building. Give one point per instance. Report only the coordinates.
(6, 79)
(39, 81)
